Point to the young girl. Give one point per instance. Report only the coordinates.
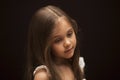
(53, 51)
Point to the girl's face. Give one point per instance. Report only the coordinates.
(63, 40)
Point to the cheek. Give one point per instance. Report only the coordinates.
(57, 48)
(74, 40)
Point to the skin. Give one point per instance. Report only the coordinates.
(41, 75)
(63, 41)
(63, 46)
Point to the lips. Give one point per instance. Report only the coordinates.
(68, 50)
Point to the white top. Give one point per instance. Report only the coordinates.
(81, 63)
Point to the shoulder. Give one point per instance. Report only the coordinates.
(41, 75)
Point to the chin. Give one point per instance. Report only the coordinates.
(70, 56)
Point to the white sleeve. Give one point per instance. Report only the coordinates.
(37, 69)
(82, 64)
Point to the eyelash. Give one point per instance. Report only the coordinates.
(69, 34)
(58, 40)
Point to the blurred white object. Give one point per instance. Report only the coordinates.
(81, 62)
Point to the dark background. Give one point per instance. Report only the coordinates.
(99, 36)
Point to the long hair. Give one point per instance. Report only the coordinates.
(39, 44)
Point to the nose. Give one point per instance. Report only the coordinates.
(67, 43)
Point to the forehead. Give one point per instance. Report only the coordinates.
(62, 25)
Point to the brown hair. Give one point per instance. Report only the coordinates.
(38, 46)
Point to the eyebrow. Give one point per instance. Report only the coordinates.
(60, 35)
(70, 29)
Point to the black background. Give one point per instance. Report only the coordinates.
(99, 22)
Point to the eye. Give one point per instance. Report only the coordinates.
(58, 40)
(69, 34)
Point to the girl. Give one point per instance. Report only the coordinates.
(53, 51)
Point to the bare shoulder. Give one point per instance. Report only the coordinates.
(41, 75)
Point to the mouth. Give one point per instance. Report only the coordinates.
(68, 50)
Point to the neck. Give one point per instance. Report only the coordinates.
(61, 62)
